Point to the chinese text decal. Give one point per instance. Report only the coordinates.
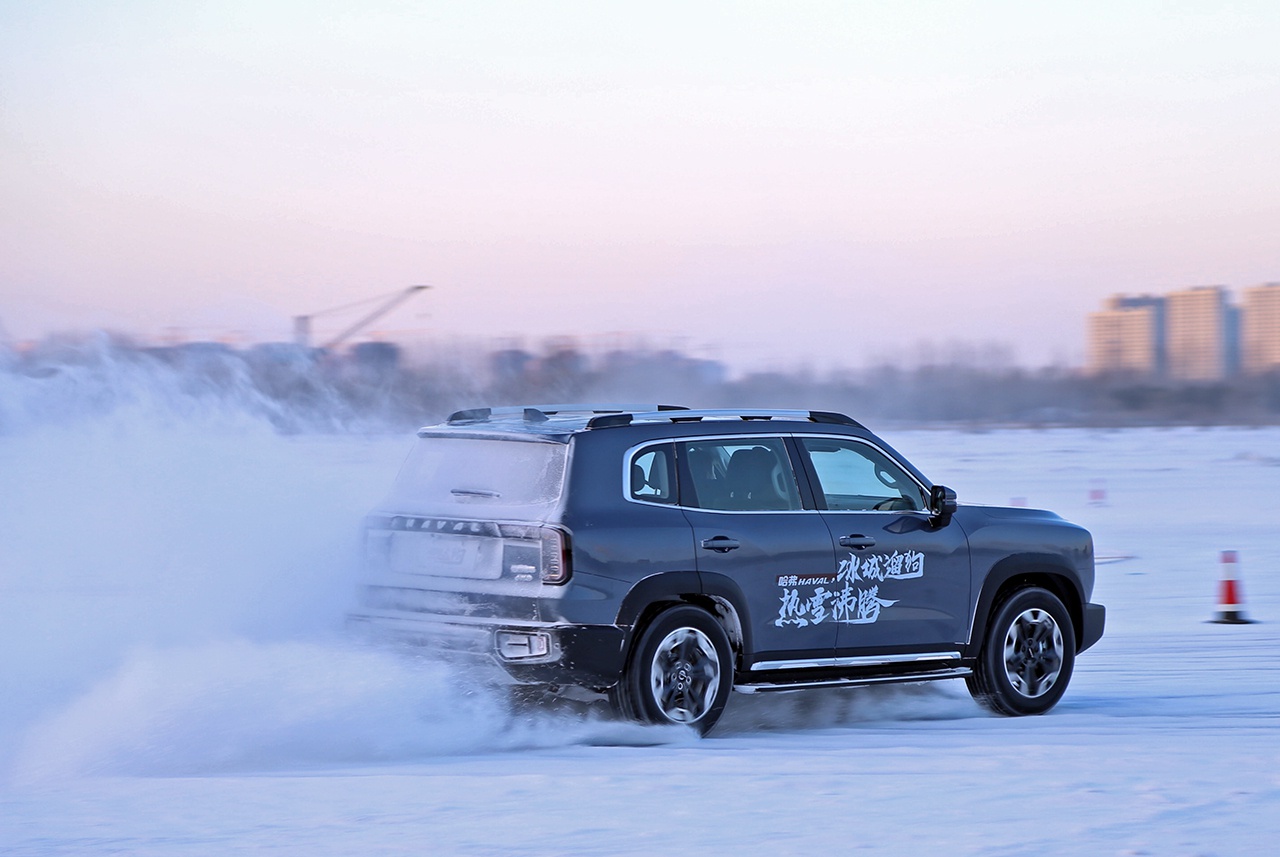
(851, 595)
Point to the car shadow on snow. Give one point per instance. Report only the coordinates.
(827, 708)
(789, 711)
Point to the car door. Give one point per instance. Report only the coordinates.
(902, 576)
(741, 496)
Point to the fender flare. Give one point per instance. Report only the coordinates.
(1050, 571)
(673, 587)
(722, 588)
(686, 587)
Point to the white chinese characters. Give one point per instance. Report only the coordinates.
(854, 602)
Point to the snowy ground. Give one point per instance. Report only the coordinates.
(172, 680)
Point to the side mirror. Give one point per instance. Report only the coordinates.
(942, 504)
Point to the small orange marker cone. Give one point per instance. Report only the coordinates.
(1230, 594)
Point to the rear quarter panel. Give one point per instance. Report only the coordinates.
(620, 548)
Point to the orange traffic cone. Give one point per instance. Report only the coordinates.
(1230, 594)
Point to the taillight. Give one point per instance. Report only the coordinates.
(555, 556)
(535, 553)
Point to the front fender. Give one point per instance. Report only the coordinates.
(1050, 571)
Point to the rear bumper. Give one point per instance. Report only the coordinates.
(1095, 620)
(586, 655)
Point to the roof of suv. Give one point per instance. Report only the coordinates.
(562, 419)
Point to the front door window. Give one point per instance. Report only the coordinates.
(854, 477)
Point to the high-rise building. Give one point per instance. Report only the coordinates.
(1127, 337)
(1261, 328)
(1201, 334)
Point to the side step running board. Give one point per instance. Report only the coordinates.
(778, 687)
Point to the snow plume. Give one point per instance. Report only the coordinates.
(69, 381)
(174, 574)
(235, 706)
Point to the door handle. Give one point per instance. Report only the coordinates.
(721, 544)
(857, 542)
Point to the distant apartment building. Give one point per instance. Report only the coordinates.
(1260, 332)
(1193, 334)
(1127, 337)
(1201, 335)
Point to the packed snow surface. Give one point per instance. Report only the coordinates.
(174, 680)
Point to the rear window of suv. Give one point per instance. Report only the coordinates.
(480, 476)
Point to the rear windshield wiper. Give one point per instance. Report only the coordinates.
(475, 492)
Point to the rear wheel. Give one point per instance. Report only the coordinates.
(1027, 654)
(681, 671)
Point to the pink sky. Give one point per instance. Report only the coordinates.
(818, 183)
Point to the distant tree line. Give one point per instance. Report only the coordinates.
(375, 388)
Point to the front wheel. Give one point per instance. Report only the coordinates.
(681, 671)
(1028, 652)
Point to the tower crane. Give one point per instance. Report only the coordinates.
(385, 304)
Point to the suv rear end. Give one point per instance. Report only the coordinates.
(469, 554)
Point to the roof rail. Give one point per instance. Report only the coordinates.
(834, 418)
(685, 415)
(541, 413)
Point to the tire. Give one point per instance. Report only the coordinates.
(1027, 655)
(680, 671)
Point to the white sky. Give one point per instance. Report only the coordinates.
(801, 182)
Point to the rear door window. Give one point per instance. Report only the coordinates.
(749, 474)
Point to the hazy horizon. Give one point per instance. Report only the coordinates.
(821, 184)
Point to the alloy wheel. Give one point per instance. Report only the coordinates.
(1033, 652)
(685, 675)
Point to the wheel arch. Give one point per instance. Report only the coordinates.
(1020, 571)
(727, 603)
(720, 597)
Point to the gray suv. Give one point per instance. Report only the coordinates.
(663, 557)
